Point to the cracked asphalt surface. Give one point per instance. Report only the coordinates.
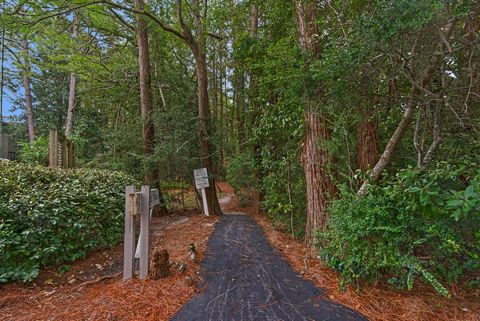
(244, 279)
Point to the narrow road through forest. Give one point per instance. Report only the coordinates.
(244, 279)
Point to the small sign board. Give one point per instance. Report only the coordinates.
(201, 178)
(154, 197)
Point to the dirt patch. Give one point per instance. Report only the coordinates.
(112, 299)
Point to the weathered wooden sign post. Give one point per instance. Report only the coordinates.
(201, 183)
(138, 204)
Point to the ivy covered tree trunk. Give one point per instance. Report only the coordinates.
(148, 131)
(316, 158)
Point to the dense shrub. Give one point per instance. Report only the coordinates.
(52, 216)
(284, 198)
(418, 223)
(35, 153)
(240, 175)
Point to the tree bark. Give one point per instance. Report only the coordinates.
(28, 91)
(203, 122)
(148, 131)
(73, 86)
(367, 141)
(316, 158)
(393, 141)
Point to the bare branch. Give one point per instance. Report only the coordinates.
(436, 134)
(121, 20)
(416, 138)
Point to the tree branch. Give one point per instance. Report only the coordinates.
(121, 20)
(147, 14)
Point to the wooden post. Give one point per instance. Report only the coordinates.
(64, 152)
(71, 154)
(205, 204)
(129, 236)
(144, 229)
(53, 149)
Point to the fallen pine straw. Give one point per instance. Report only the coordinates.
(113, 299)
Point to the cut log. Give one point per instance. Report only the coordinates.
(159, 264)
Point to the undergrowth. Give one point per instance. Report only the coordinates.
(50, 216)
(419, 223)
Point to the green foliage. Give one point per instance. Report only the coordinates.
(241, 175)
(284, 207)
(35, 153)
(53, 216)
(418, 223)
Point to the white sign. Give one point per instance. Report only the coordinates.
(201, 178)
(201, 182)
(154, 198)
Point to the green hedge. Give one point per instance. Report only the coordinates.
(423, 223)
(49, 217)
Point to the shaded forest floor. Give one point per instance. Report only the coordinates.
(92, 289)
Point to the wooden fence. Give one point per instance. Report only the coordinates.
(8, 148)
(61, 151)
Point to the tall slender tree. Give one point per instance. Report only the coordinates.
(257, 153)
(26, 70)
(315, 156)
(72, 90)
(148, 131)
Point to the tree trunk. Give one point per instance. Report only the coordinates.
(198, 47)
(393, 141)
(367, 141)
(203, 122)
(315, 155)
(28, 91)
(73, 86)
(148, 132)
(317, 165)
(415, 94)
(257, 152)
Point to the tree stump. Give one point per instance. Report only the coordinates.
(159, 264)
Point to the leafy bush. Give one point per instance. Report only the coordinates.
(53, 216)
(240, 175)
(35, 153)
(283, 187)
(418, 223)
